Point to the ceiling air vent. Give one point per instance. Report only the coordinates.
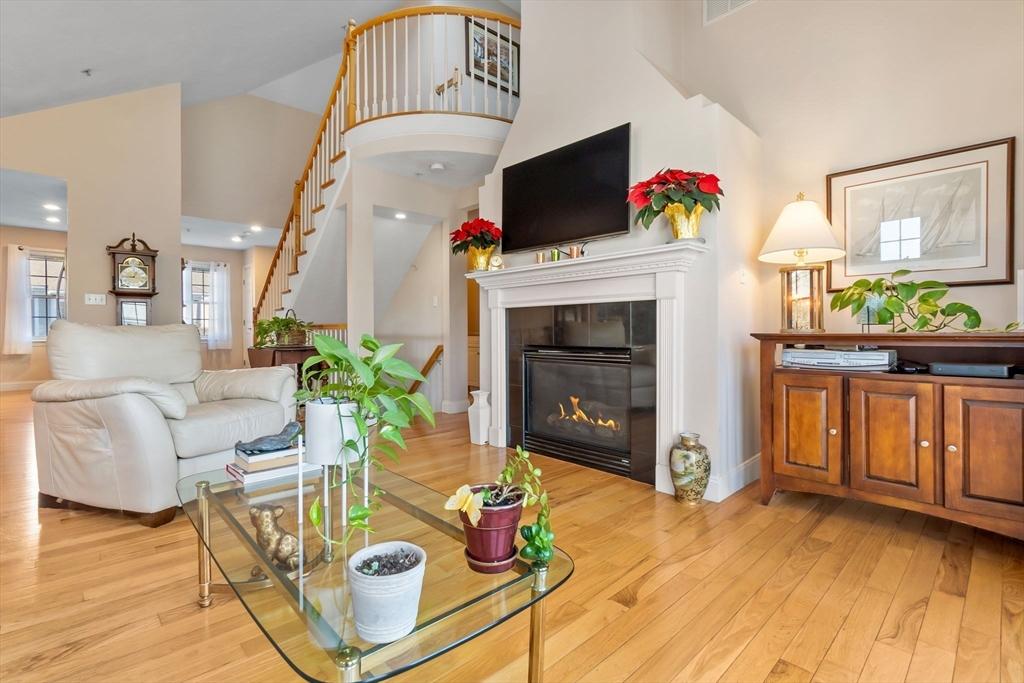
(716, 9)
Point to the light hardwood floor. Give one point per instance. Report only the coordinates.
(806, 588)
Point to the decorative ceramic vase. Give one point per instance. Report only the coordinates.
(691, 468)
(491, 544)
(479, 417)
(386, 607)
(685, 224)
(328, 426)
(480, 257)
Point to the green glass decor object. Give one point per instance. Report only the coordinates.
(691, 468)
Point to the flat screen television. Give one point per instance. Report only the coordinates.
(572, 194)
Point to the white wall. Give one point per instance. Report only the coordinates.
(397, 245)
(619, 85)
(830, 86)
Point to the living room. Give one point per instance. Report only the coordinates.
(771, 407)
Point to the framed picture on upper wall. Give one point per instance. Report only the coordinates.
(947, 216)
(492, 56)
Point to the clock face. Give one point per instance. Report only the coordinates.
(133, 274)
(496, 263)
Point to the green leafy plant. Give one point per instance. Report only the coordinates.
(274, 331)
(375, 383)
(909, 305)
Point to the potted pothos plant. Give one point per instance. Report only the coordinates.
(345, 395)
(490, 515)
(683, 196)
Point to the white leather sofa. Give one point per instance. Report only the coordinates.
(131, 411)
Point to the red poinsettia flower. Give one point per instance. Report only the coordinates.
(709, 184)
(478, 232)
(638, 196)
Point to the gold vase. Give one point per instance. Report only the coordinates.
(480, 257)
(690, 465)
(685, 224)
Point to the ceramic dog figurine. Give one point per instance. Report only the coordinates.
(272, 442)
(279, 545)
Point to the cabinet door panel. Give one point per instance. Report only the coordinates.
(892, 438)
(984, 433)
(807, 410)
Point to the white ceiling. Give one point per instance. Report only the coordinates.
(462, 169)
(214, 48)
(205, 232)
(307, 88)
(22, 196)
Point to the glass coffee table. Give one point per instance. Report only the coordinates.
(308, 616)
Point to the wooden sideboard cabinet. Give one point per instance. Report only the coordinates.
(947, 446)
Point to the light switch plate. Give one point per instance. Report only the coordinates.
(95, 299)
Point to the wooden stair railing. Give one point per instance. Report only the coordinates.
(368, 86)
(427, 367)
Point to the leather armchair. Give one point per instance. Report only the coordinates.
(131, 411)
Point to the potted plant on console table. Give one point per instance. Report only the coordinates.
(490, 514)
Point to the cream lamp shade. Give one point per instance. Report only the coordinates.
(802, 234)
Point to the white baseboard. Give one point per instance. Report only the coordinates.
(454, 406)
(721, 486)
(20, 386)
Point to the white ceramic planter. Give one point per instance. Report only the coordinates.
(386, 606)
(479, 417)
(324, 432)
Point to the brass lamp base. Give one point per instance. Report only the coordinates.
(802, 294)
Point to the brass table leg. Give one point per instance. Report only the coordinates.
(202, 490)
(348, 661)
(540, 577)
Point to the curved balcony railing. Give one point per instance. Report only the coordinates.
(433, 59)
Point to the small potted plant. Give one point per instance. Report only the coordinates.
(479, 237)
(386, 580)
(286, 331)
(683, 196)
(490, 514)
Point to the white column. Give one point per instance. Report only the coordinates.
(668, 287)
(359, 261)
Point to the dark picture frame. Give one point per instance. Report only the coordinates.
(993, 168)
(476, 48)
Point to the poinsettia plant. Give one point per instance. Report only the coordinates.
(479, 232)
(672, 186)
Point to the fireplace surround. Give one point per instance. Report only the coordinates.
(582, 384)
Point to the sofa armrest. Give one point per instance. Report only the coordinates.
(268, 384)
(164, 396)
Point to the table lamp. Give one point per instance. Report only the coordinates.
(802, 236)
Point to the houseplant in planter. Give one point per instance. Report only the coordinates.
(286, 331)
(490, 514)
(386, 580)
(683, 196)
(479, 237)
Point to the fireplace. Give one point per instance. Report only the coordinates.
(582, 384)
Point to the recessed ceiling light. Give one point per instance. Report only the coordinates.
(52, 219)
(236, 238)
(437, 166)
(400, 216)
(256, 228)
(51, 207)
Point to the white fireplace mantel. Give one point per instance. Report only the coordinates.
(656, 273)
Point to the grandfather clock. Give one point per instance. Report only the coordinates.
(134, 280)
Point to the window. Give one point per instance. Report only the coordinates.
(900, 239)
(48, 286)
(200, 298)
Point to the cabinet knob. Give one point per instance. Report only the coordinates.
(925, 444)
(833, 431)
(951, 448)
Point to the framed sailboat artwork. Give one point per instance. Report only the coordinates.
(946, 216)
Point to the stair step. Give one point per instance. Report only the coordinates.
(309, 232)
(301, 252)
(286, 291)
(318, 209)
(324, 186)
(292, 272)
(338, 156)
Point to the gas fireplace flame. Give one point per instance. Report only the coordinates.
(577, 415)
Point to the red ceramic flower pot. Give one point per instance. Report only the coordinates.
(490, 545)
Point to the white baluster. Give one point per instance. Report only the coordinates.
(445, 97)
(433, 42)
(405, 61)
(510, 70)
(419, 58)
(469, 70)
(394, 66)
(383, 68)
(374, 69)
(485, 97)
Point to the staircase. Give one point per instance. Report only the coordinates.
(408, 62)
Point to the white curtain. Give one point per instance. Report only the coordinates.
(186, 293)
(17, 304)
(219, 334)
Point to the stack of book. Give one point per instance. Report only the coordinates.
(262, 468)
